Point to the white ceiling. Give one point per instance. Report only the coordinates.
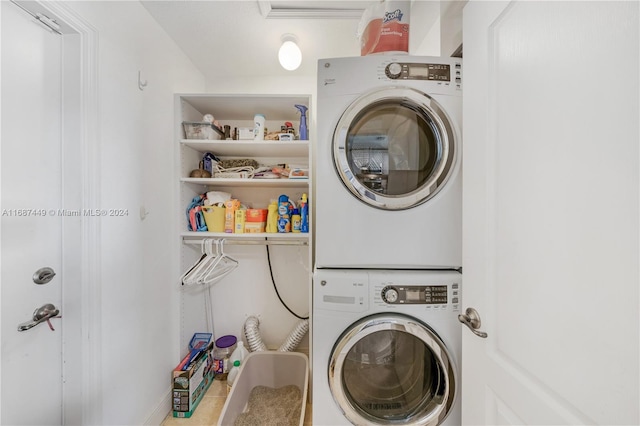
(236, 38)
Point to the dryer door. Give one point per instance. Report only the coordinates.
(392, 369)
(394, 148)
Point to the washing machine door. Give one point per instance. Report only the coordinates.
(390, 369)
(394, 148)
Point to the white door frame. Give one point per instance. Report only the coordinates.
(81, 307)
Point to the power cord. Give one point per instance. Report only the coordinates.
(273, 281)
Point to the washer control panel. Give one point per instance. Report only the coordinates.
(420, 71)
(420, 294)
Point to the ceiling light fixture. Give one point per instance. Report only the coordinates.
(289, 55)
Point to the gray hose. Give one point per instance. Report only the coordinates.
(254, 339)
(252, 334)
(296, 335)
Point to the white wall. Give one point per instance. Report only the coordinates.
(424, 36)
(451, 26)
(139, 259)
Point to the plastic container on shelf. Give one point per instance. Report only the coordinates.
(214, 218)
(225, 346)
(272, 217)
(304, 214)
(285, 209)
(296, 222)
(258, 128)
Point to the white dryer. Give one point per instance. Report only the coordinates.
(388, 186)
(386, 347)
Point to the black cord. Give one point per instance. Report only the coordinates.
(276, 288)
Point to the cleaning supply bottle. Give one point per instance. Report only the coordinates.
(239, 353)
(304, 214)
(284, 214)
(304, 134)
(272, 217)
(235, 359)
(295, 221)
(233, 374)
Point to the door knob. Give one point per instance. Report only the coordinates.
(43, 275)
(471, 319)
(43, 313)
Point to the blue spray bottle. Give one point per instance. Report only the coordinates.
(304, 134)
(304, 214)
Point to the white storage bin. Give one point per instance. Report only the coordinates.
(202, 131)
(271, 369)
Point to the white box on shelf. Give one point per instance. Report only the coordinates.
(244, 133)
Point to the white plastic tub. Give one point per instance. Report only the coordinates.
(271, 369)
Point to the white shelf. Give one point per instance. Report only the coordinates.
(244, 107)
(296, 254)
(249, 148)
(257, 183)
(301, 238)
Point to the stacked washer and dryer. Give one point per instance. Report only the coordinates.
(386, 341)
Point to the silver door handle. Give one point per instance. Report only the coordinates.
(471, 319)
(43, 313)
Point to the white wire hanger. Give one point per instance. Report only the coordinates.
(211, 267)
(192, 273)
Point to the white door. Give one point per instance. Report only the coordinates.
(31, 222)
(551, 189)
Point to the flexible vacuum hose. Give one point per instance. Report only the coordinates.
(252, 334)
(255, 343)
(296, 335)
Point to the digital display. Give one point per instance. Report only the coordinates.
(412, 295)
(438, 72)
(435, 294)
(417, 71)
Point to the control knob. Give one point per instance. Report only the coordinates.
(390, 295)
(393, 70)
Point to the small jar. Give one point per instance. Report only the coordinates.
(225, 346)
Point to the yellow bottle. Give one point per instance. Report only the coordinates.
(296, 221)
(272, 217)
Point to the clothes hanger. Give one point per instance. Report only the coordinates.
(221, 267)
(210, 257)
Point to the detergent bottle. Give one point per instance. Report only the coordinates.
(304, 134)
(295, 221)
(284, 214)
(304, 214)
(233, 374)
(272, 217)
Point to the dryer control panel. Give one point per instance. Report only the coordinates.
(423, 295)
(422, 71)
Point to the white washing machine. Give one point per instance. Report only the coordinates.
(388, 186)
(386, 347)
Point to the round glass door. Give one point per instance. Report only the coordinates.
(394, 148)
(390, 369)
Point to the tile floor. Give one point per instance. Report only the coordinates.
(210, 408)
